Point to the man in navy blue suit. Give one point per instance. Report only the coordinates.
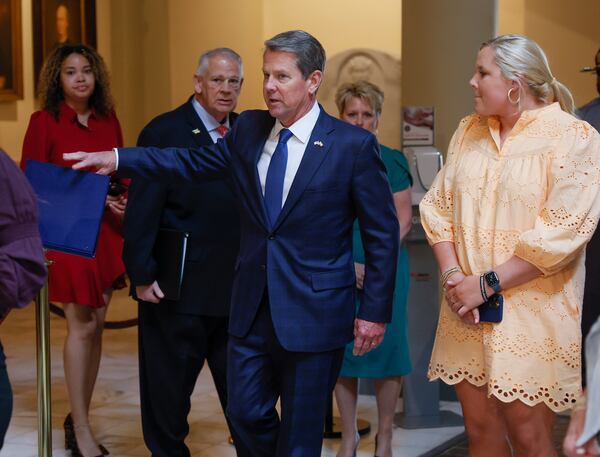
(301, 177)
(176, 337)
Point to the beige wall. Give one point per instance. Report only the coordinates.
(172, 34)
(133, 37)
(151, 47)
(249, 23)
(568, 31)
(340, 24)
(196, 26)
(440, 42)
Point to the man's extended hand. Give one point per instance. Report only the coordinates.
(104, 162)
(151, 293)
(367, 336)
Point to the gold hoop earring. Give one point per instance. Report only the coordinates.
(516, 102)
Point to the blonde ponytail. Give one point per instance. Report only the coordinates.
(563, 96)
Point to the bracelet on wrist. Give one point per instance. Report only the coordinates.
(484, 294)
(449, 272)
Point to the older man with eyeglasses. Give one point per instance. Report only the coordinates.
(177, 335)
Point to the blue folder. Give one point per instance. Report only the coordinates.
(71, 205)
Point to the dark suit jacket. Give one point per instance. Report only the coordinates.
(305, 260)
(205, 209)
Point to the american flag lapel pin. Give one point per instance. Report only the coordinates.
(318, 143)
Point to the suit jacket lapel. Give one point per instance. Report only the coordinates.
(198, 131)
(316, 151)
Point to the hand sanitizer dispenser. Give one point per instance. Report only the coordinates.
(425, 162)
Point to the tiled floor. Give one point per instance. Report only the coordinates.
(115, 408)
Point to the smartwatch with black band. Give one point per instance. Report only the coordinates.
(492, 280)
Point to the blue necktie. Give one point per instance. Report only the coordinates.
(275, 177)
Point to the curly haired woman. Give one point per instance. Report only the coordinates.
(77, 114)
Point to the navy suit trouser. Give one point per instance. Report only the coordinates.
(261, 371)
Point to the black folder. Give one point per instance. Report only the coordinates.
(169, 253)
(71, 206)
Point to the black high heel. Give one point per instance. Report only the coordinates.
(69, 432)
(71, 439)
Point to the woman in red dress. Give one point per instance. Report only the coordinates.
(77, 114)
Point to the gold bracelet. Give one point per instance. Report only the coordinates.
(449, 272)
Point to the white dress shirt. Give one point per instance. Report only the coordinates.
(209, 121)
(301, 131)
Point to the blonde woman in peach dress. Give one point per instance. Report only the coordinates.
(511, 213)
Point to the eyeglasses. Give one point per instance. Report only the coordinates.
(595, 69)
(234, 83)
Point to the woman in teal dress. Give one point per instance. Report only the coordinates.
(360, 104)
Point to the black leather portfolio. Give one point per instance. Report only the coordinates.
(169, 252)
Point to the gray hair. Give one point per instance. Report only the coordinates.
(309, 52)
(522, 60)
(224, 52)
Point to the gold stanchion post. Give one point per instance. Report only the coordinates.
(42, 321)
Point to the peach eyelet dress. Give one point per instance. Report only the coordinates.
(537, 197)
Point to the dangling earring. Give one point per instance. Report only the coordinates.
(514, 102)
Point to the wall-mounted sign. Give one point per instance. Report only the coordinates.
(417, 126)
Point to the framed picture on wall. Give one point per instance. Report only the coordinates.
(57, 22)
(11, 63)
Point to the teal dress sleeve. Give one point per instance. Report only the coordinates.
(397, 168)
(399, 177)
